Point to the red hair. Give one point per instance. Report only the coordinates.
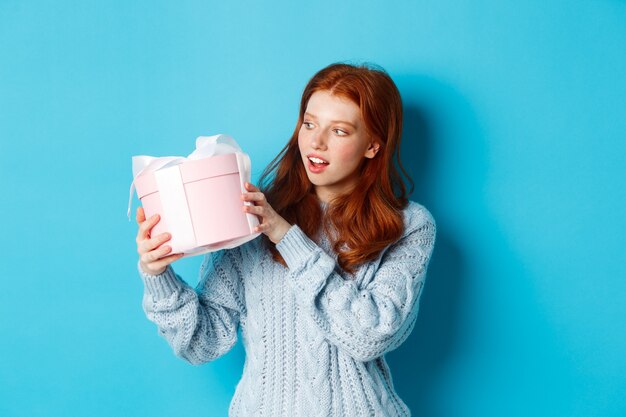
(368, 218)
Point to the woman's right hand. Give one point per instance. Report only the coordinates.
(152, 251)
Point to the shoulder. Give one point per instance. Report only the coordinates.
(417, 217)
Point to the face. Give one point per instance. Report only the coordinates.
(333, 143)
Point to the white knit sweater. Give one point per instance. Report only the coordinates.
(314, 336)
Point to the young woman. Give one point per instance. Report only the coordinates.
(334, 282)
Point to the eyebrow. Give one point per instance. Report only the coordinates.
(332, 121)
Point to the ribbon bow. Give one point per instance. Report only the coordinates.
(206, 146)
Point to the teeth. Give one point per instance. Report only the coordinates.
(317, 160)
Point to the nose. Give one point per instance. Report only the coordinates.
(318, 141)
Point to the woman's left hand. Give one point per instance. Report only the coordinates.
(272, 224)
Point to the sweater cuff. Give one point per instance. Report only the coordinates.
(163, 285)
(295, 247)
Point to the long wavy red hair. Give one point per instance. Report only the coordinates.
(367, 219)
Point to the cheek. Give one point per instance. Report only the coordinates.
(349, 155)
(301, 139)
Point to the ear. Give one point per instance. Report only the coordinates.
(372, 150)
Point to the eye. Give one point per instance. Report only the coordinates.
(308, 125)
(341, 132)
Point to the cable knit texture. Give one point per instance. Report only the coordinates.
(315, 337)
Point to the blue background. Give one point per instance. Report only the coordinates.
(515, 135)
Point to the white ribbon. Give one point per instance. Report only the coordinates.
(206, 146)
(174, 205)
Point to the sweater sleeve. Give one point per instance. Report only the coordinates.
(370, 321)
(200, 325)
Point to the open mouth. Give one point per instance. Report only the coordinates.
(317, 161)
(317, 165)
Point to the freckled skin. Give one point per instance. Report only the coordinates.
(345, 147)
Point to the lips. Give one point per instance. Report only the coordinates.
(316, 159)
(316, 164)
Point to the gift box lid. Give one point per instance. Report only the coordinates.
(191, 170)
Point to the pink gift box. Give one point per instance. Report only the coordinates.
(199, 203)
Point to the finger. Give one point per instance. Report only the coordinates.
(251, 187)
(153, 243)
(146, 226)
(150, 257)
(163, 262)
(160, 252)
(146, 222)
(263, 227)
(254, 196)
(141, 215)
(258, 210)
